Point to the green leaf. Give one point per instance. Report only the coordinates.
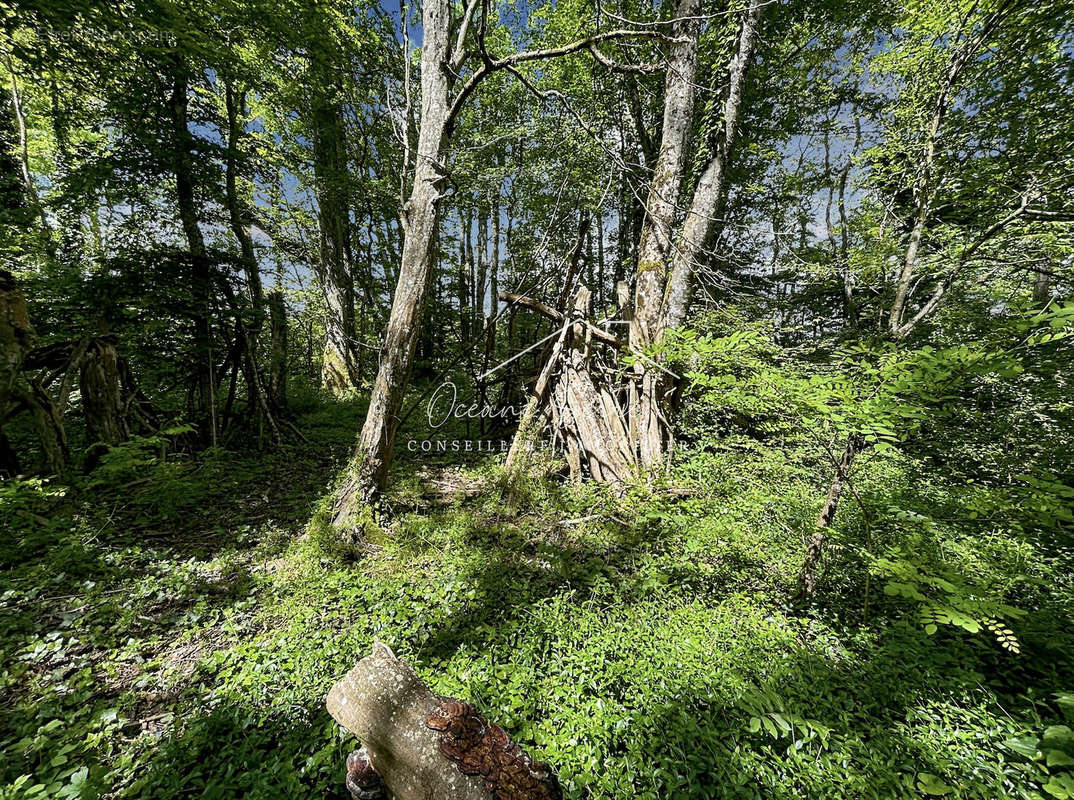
(931, 784)
(1058, 733)
(1057, 758)
(1025, 745)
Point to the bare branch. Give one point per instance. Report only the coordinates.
(459, 56)
(491, 65)
(964, 260)
(556, 316)
(616, 66)
(1049, 216)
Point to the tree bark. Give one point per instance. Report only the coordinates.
(17, 338)
(665, 274)
(374, 452)
(102, 394)
(807, 577)
(338, 374)
(1042, 288)
(384, 703)
(425, 747)
(464, 285)
(236, 105)
(654, 247)
(277, 386)
(200, 277)
(700, 218)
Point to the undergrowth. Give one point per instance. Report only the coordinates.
(177, 637)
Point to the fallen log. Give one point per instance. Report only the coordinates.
(425, 747)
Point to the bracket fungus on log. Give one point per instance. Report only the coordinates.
(424, 747)
(479, 747)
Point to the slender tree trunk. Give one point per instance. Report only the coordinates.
(336, 276)
(24, 160)
(277, 387)
(16, 216)
(601, 277)
(665, 274)
(523, 446)
(200, 278)
(236, 107)
(464, 283)
(494, 298)
(482, 264)
(807, 577)
(925, 187)
(494, 280)
(17, 338)
(374, 452)
(258, 397)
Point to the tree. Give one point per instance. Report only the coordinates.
(440, 61)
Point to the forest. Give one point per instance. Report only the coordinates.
(495, 400)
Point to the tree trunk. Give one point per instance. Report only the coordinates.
(236, 105)
(102, 394)
(425, 747)
(50, 432)
(16, 215)
(338, 374)
(656, 234)
(258, 397)
(374, 452)
(17, 338)
(277, 387)
(481, 263)
(200, 278)
(494, 285)
(1042, 288)
(926, 187)
(524, 443)
(700, 218)
(464, 286)
(807, 577)
(665, 275)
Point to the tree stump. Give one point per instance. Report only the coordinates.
(428, 748)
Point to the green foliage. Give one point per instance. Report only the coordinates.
(171, 621)
(1047, 758)
(644, 645)
(129, 460)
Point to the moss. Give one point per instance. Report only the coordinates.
(346, 541)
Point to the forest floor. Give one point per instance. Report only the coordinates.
(173, 633)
